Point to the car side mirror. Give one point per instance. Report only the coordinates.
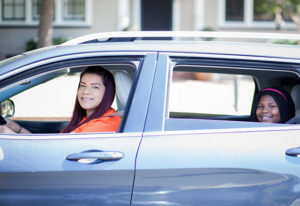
(7, 108)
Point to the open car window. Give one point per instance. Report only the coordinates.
(218, 97)
(210, 94)
(44, 102)
(50, 101)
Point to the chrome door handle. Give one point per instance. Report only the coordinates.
(295, 152)
(91, 156)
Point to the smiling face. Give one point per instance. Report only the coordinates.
(267, 110)
(90, 92)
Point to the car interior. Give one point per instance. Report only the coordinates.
(261, 78)
(192, 117)
(123, 73)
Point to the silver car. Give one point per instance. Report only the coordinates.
(186, 136)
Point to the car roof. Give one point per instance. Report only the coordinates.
(217, 48)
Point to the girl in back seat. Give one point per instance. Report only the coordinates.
(273, 105)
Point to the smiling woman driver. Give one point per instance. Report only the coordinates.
(95, 95)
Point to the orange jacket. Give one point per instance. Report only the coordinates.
(103, 124)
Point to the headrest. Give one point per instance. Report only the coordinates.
(295, 93)
(123, 85)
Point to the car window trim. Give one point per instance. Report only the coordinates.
(237, 68)
(70, 57)
(231, 56)
(156, 115)
(218, 131)
(184, 61)
(137, 114)
(63, 64)
(67, 136)
(81, 62)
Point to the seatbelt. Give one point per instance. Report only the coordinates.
(295, 119)
(116, 114)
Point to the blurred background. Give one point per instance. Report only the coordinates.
(24, 22)
(29, 24)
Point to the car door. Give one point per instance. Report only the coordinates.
(65, 169)
(221, 163)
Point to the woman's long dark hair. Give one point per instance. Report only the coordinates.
(105, 104)
(286, 106)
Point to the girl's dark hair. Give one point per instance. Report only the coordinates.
(286, 106)
(105, 104)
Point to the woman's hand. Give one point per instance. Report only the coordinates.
(6, 130)
(8, 121)
(12, 125)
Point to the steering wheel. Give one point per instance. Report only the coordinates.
(2, 120)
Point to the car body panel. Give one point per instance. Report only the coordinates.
(243, 165)
(137, 113)
(222, 49)
(225, 168)
(34, 170)
(219, 162)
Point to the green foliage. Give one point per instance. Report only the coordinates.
(32, 43)
(264, 6)
(270, 6)
(208, 38)
(60, 40)
(132, 27)
(282, 41)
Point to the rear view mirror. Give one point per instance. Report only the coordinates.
(7, 108)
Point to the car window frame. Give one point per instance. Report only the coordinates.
(157, 122)
(111, 59)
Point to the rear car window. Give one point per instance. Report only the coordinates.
(211, 93)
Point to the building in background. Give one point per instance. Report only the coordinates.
(19, 19)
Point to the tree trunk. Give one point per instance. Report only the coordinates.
(298, 31)
(296, 19)
(45, 27)
(279, 19)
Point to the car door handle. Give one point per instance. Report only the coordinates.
(100, 155)
(293, 152)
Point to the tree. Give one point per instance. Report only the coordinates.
(280, 8)
(45, 32)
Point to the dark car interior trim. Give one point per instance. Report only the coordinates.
(235, 63)
(199, 124)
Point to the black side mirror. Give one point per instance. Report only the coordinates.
(7, 108)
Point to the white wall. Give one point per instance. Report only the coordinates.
(109, 15)
(104, 19)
